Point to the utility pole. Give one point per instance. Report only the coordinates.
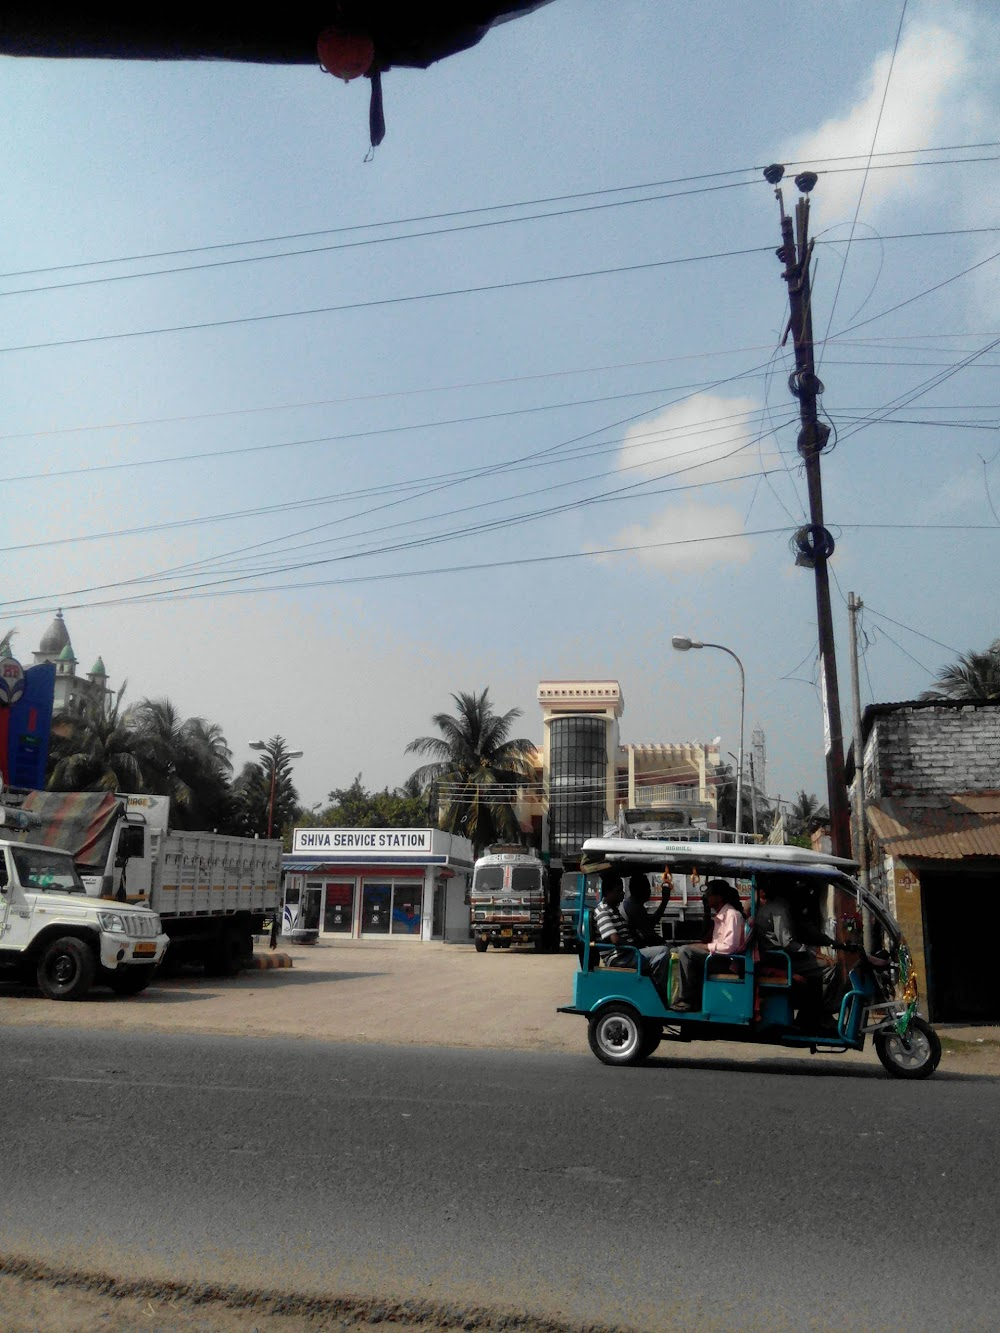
(814, 543)
(854, 605)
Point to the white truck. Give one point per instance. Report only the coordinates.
(210, 893)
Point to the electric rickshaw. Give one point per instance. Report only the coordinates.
(758, 995)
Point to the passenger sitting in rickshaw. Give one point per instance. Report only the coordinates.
(728, 936)
(639, 920)
(612, 929)
(779, 931)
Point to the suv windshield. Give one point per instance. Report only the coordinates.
(50, 872)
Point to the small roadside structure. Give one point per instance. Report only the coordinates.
(371, 883)
(932, 784)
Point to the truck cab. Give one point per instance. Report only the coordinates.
(512, 901)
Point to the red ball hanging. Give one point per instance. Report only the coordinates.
(347, 55)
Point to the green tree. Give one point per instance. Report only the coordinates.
(475, 767)
(973, 676)
(95, 748)
(253, 789)
(188, 760)
(803, 817)
(355, 807)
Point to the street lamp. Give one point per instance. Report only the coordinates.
(683, 644)
(288, 754)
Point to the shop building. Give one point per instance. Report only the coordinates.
(589, 779)
(932, 789)
(368, 883)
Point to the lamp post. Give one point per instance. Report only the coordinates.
(683, 644)
(288, 754)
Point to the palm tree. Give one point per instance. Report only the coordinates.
(476, 766)
(95, 749)
(187, 760)
(253, 790)
(804, 815)
(973, 676)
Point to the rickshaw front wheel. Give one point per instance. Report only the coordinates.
(617, 1035)
(914, 1056)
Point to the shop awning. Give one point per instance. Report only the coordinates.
(943, 828)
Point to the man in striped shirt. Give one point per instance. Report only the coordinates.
(612, 929)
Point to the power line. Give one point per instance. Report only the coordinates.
(910, 630)
(493, 208)
(864, 179)
(478, 290)
(204, 591)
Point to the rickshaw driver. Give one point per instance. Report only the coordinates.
(728, 936)
(777, 931)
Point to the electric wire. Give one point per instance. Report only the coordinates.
(864, 179)
(480, 289)
(753, 171)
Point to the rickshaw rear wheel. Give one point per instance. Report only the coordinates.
(914, 1056)
(617, 1035)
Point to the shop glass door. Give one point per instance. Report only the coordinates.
(309, 919)
(338, 909)
(406, 907)
(376, 908)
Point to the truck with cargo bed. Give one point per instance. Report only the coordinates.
(212, 893)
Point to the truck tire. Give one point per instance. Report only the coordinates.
(66, 969)
(482, 944)
(131, 980)
(225, 956)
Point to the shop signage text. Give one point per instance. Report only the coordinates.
(362, 841)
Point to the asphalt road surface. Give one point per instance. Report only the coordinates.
(679, 1195)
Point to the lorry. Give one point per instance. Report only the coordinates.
(210, 893)
(55, 934)
(513, 900)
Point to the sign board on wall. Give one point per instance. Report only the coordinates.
(363, 842)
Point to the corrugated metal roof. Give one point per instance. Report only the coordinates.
(945, 828)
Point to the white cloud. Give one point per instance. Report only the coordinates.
(931, 74)
(700, 537)
(706, 439)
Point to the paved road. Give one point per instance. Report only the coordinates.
(680, 1195)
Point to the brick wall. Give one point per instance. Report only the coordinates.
(926, 751)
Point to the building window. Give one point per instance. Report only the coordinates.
(578, 771)
(338, 909)
(391, 907)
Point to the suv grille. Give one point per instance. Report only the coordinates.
(144, 926)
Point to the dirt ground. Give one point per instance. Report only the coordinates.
(447, 994)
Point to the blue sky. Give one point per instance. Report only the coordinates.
(577, 406)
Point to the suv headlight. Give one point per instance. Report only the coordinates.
(112, 921)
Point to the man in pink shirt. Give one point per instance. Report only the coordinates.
(728, 936)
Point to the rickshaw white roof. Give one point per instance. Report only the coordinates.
(721, 856)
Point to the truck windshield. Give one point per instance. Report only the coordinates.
(49, 872)
(488, 879)
(526, 879)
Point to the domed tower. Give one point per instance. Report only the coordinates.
(53, 641)
(71, 690)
